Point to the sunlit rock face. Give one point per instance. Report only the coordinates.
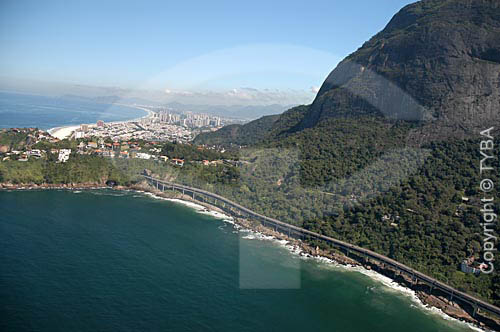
(436, 62)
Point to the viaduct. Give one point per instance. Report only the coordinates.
(348, 248)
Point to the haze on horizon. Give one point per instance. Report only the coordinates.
(193, 52)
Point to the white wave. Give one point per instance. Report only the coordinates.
(394, 286)
(219, 215)
(186, 203)
(199, 208)
(248, 237)
(388, 283)
(297, 251)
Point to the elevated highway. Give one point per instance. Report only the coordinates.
(286, 228)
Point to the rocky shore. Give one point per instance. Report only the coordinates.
(431, 299)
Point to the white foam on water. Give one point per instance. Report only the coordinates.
(197, 207)
(248, 237)
(388, 283)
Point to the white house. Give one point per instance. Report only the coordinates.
(64, 155)
(142, 155)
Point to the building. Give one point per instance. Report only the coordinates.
(178, 162)
(100, 123)
(34, 153)
(84, 128)
(142, 155)
(64, 155)
(466, 268)
(78, 134)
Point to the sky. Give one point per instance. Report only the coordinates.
(184, 49)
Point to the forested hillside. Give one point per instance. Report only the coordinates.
(387, 155)
(237, 134)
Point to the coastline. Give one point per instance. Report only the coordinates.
(439, 305)
(63, 132)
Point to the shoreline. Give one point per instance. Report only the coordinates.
(435, 304)
(63, 132)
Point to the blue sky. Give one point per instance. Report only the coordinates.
(165, 44)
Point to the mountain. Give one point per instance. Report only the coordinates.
(387, 155)
(111, 99)
(436, 64)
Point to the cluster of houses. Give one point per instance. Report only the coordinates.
(33, 136)
(62, 154)
(132, 149)
(98, 146)
(126, 149)
(23, 155)
(146, 129)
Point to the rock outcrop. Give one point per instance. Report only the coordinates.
(436, 62)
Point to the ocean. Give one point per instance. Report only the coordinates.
(104, 260)
(23, 110)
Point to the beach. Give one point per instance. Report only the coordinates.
(62, 132)
(66, 131)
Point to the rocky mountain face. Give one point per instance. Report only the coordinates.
(436, 62)
(435, 65)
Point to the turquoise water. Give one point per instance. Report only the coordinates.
(22, 110)
(114, 261)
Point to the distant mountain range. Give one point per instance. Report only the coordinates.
(241, 112)
(111, 100)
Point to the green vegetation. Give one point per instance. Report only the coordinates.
(13, 140)
(79, 169)
(193, 153)
(89, 167)
(238, 134)
(354, 179)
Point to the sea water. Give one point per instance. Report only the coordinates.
(103, 260)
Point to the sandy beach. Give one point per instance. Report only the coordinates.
(62, 132)
(67, 131)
